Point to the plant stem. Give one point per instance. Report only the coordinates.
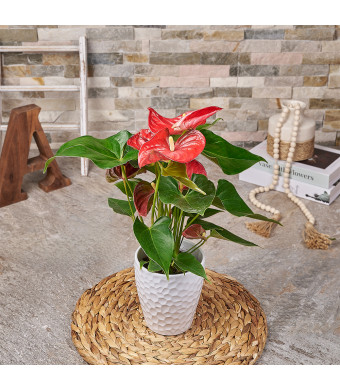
(179, 232)
(125, 180)
(191, 221)
(155, 196)
(197, 246)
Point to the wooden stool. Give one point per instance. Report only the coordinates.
(14, 162)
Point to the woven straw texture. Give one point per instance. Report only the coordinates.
(108, 326)
(303, 150)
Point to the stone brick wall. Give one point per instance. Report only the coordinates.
(244, 69)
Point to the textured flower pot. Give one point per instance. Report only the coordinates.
(168, 306)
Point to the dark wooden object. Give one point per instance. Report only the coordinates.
(14, 162)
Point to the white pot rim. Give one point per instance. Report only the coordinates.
(157, 275)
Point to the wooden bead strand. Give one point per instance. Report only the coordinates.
(313, 238)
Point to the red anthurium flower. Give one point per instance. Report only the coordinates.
(137, 140)
(195, 167)
(114, 174)
(192, 119)
(142, 197)
(187, 121)
(162, 148)
(194, 231)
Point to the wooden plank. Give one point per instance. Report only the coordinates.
(53, 126)
(46, 88)
(83, 98)
(36, 48)
(0, 102)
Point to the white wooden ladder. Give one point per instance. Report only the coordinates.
(82, 49)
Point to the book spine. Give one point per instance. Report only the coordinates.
(299, 189)
(297, 173)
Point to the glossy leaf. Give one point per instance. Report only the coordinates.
(208, 125)
(121, 206)
(230, 158)
(154, 267)
(132, 183)
(157, 241)
(105, 153)
(208, 212)
(224, 234)
(234, 204)
(194, 232)
(192, 201)
(188, 263)
(179, 172)
(141, 263)
(186, 148)
(142, 197)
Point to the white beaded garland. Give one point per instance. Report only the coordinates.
(289, 160)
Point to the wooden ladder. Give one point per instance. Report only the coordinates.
(82, 49)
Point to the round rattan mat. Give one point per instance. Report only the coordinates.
(108, 326)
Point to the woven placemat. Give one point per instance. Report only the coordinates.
(108, 326)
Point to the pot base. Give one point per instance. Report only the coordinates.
(108, 326)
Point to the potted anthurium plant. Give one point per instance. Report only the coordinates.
(176, 203)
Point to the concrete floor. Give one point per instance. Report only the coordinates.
(54, 246)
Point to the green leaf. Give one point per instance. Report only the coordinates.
(208, 213)
(224, 234)
(192, 201)
(141, 263)
(207, 126)
(188, 263)
(132, 182)
(154, 267)
(234, 204)
(230, 158)
(105, 153)
(121, 206)
(179, 172)
(157, 241)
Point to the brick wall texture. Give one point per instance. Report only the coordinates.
(244, 69)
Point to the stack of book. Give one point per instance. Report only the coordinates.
(317, 178)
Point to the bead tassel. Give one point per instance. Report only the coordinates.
(312, 237)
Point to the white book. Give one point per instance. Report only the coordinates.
(300, 189)
(322, 170)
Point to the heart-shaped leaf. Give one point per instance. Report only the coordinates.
(179, 172)
(230, 158)
(192, 201)
(105, 153)
(121, 206)
(132, 183)
(234, 204)
(188, 263)
(157, 241)
(194, 232)
(219, 232)
(154, 267)
(142, 197)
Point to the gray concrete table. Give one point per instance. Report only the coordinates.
(54, 246)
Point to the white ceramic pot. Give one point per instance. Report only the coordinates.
(168, 306)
